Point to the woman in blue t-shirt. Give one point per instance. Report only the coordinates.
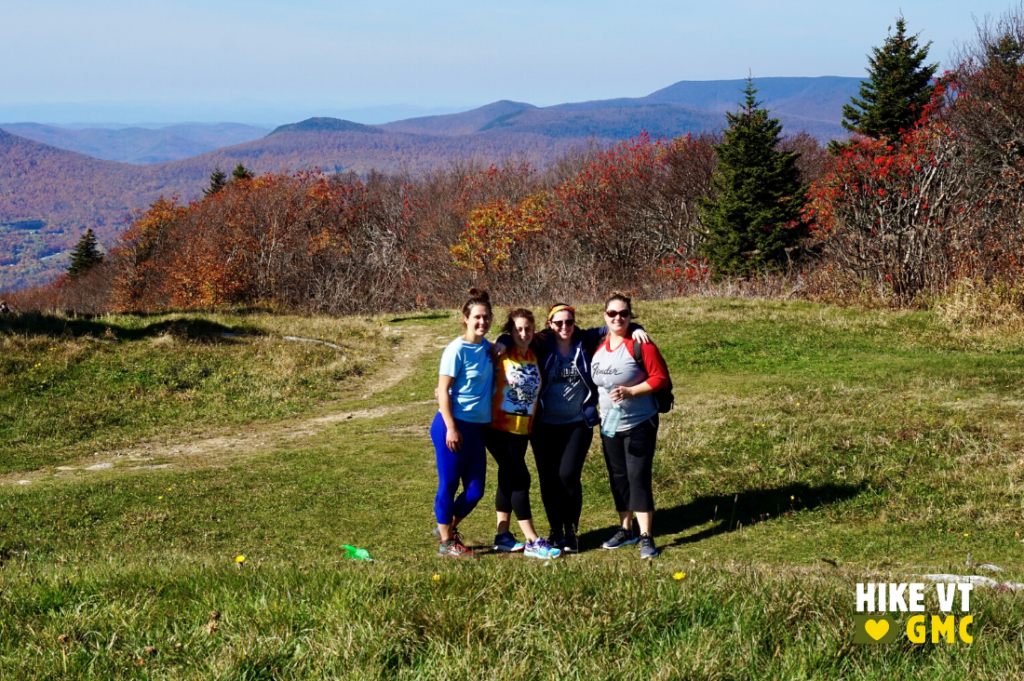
(464, 386)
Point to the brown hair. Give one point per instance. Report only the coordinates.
(476, 297)
(622, 298)
(518, 313)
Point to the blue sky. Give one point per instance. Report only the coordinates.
(234, 60)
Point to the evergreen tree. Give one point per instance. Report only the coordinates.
(898, 88)
(241, 173)
(757, 194)
(218, 180)
(85, 256)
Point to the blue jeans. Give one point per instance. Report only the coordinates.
(469, 465)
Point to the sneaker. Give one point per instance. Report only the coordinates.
(541, 549)
(570, 544)
(455, 535)
(508, 543)
(647, 547)
(622, 537)
(453, 548)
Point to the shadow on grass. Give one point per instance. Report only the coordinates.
(732, 510)
(53, 326)
(412, 318)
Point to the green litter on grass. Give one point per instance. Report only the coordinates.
(356, 554)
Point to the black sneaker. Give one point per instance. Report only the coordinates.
(622, 537)
(647, 548)
(571, 544)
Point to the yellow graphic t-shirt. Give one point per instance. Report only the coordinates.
(517, 385)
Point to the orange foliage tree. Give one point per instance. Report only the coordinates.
(302, 240)
(608, 222)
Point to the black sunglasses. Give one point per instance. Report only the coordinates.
(566, 322)
(617, 313)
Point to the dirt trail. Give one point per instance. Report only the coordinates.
(224, 446)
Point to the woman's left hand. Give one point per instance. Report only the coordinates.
(619, 393)
(641, 335)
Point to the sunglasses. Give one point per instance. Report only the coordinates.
(612, 314)
(567, 323)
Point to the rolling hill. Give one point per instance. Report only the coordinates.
(140, 145)
(49, 195)
(810, 104)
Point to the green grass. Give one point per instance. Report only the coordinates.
(880, 441)
(72, 386)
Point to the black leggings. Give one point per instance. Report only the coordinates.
(560, 452)
(509, 451)
(629, 457)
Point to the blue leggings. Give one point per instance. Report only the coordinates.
(469, 465)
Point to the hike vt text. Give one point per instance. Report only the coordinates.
(909, 597)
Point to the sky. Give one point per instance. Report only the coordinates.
(270, 61)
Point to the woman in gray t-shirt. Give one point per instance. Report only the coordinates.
(626, 382)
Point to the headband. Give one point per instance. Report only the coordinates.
(558, 308)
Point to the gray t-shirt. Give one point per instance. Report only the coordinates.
(618, 367)
(564, 392)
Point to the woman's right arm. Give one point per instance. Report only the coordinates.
(499, 346)
(454, 438)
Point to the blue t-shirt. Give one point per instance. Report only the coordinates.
(471, 367)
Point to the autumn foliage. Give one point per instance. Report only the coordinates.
(895, 213)
(908, 217)
(304, 241)
(343, 243)
(945, 201)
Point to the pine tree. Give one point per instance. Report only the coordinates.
(241, 173)
(898, 88)
(85, 256)
(218, 180)
(758, 194)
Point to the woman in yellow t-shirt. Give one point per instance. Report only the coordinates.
(517, 385)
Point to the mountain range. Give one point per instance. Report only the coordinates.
(55, 182)
(137, 144)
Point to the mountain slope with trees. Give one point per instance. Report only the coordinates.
(68, 192)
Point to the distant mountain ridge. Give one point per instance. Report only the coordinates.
(811, 104)
(139, 145)
(69, 191)
(323, 124)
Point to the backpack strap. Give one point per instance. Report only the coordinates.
(638, 353)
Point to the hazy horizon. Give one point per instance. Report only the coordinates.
(260, 114)
(110, 115)
(267, 62)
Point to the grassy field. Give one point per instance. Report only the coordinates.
(72, 386)
(810, 448)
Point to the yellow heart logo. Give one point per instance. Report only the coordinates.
(876, 629)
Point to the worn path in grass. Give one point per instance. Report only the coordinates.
(224, 446)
